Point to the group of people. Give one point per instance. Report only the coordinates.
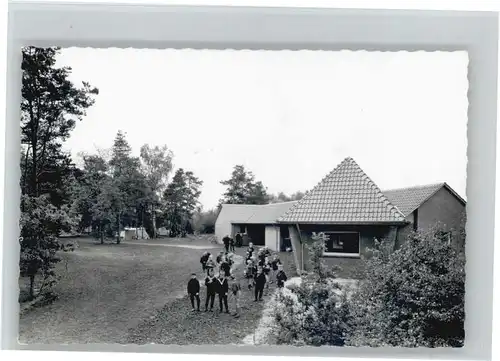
(261, 269)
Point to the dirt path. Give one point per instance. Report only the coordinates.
(188, 246)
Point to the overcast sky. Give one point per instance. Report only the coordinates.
(289, 117)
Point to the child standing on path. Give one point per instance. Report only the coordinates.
(225, 267)
(274, 265)
(266, 268)
(210, 265)
(204, 259)
(226, 241)
(280, 276)
(222, 290)
(260, 283)
(193, 289)
(211, 288)
(249, 272)
(236, 291)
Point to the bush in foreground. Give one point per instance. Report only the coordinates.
(312, 312)
(412, 297)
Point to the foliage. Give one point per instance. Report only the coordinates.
(156, 165)
(242, 188)
(412, 297)
(51, 104)
(94, 197)
(40, 225)
(314, 312)
(204, 222)
(128, 191)
(282, 197)
(181, 200)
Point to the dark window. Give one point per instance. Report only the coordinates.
(415, 220)
(342, 243)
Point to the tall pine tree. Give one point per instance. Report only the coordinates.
(242, 188)
(51, 104)
(181, 200)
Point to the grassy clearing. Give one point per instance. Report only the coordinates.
(136, 293)
(106, 290)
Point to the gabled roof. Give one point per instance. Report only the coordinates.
(253, 213)
(410, 198)
(345, 196)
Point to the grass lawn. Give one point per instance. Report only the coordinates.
(107, 290)
(135, 292)
(176, 324)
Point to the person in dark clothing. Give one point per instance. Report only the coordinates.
(211, 290)
(239, 239)
(225, 267)
(219, 258)
(222, 290)
(231, 244)
(260, 283)
(193, 289)
(226, 241)
(280, 277)
(203, 260)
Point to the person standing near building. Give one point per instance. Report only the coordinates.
(239, 239)
(231, 244)
(226, 241)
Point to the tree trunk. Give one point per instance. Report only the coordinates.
(32, 286)
(101, 233)
(118, 229)
(153, 219)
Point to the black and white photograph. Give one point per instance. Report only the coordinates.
(243, 197)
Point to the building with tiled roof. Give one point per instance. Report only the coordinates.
(345, 196)
(351, 209)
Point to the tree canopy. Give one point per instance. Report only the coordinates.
(242, 188)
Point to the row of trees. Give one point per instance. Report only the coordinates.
(111, 189)
(411, 297)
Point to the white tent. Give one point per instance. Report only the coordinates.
(129, 234)
(162, 231)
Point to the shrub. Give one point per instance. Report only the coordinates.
(313, 312)
(40, 223)
(412, 297)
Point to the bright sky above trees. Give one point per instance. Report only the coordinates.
(289, 117)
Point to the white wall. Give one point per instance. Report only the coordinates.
(222, 228)
(272, 238)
